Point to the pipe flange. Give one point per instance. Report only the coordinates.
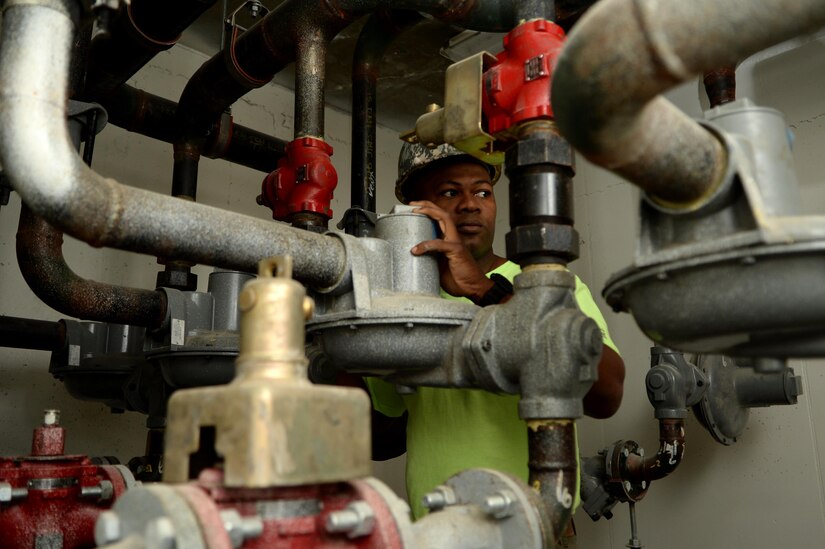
(616, 466)
(720, 410)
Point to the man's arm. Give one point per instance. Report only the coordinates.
(605, 396)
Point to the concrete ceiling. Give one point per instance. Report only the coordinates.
(411, 73)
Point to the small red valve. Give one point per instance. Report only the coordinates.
(517, 88)
(304, 181)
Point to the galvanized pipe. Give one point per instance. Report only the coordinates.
(606, 99)
(40, 256)
(34, 61)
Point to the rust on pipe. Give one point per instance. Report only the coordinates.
(720, 85)
(554, 468)
(667, 458)
(40, 256)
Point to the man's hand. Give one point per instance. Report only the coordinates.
(460, 274)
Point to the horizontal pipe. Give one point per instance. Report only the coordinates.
(141, 112)
(253, 58)
(34, 60)
(27, 333)
(40, 256)
(141, 29)
(606, 99)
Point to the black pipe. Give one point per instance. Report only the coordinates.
(40, 256)
(141, 112)
(140, 30)
(378, 33)
(27, 333)
(252, 59)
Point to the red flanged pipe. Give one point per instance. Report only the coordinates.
(304, 181)
(517, 88)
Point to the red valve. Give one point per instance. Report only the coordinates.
(49, 499)
(517, 88)
(304, 181)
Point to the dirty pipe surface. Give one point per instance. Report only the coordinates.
(34, 61)
(606, 99)
(554, 468)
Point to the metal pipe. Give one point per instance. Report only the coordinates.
(310, 76)
(142, 29)
(34, 60)
(27, 333)
(527, 10)
(720, 85)
(378, 33)
(554, 468)
(667, 458)
(40, 255)
(252, 59)
(606, 100)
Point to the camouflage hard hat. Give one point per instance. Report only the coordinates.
(414, 157)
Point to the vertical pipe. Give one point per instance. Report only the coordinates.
(720, 85)
(553, 468)
(527, 10)
(310, 76)
(376, 36)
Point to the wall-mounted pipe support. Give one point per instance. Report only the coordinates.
(605, 99)
(34, 61)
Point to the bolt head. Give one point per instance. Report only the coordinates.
(107, 528)
(499, 505)
(51, 417)
(160, 534)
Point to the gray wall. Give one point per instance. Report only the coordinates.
(764, 492)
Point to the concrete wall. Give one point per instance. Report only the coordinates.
(764, 492)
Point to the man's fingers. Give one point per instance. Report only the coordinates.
(435, 246)
(445, 222)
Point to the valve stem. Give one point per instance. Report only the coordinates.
(633, 542)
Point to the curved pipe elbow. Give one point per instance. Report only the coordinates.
(605, 98)
(39, 253)
(39, 159)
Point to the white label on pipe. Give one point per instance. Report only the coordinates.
(178, 331)
(74, 355)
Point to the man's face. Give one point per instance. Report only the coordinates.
(464, 190)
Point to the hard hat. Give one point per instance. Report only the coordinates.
(414, 157)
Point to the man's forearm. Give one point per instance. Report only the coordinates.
(605, 396)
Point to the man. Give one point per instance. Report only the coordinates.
(449, 430)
